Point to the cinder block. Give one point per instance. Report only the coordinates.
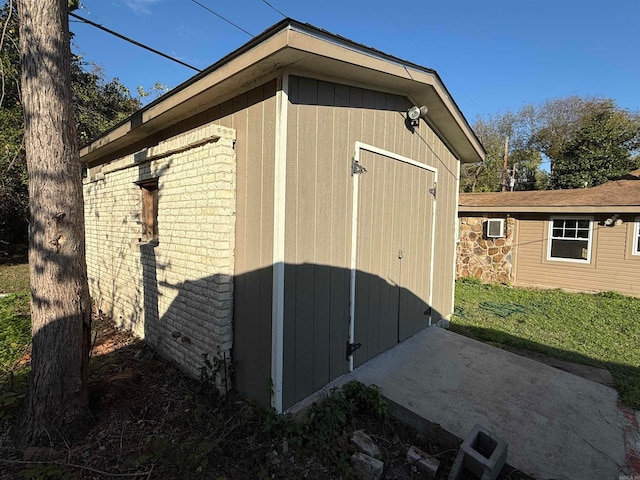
(423, 461)
(482, 453)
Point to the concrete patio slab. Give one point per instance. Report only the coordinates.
(557, 425)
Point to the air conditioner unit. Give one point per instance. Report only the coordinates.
(495, 228)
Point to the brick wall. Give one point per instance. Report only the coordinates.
(176, 293)
(489, 259)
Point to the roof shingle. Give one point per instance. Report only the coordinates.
(623, 192)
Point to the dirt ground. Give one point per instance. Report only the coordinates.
(152, 422)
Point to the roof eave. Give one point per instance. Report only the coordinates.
(283, 45)
(550, 209)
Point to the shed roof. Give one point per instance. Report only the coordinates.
(621, 195)
(300, 49)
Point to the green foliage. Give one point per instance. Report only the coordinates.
(601, 149)
(470, 281)
(187, 456)
(600, 330)
(326, 429)
(99, 104)
(587, 140)
(492, 131)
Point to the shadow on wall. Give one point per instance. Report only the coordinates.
(210, 315)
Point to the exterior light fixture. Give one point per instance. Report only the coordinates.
(415, 113)
(613, 220)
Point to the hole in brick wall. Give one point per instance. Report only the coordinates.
(484, 445)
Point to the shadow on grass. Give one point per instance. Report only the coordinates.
(626, 378)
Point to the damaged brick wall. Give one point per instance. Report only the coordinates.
(489, 259)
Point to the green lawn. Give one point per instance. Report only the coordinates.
(14, 278)
(15, 322)
(15, 328)
(601, 330)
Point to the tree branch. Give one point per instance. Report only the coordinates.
(82, 467)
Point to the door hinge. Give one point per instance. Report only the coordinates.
(433, 191)
(352, 347)
(356, 168)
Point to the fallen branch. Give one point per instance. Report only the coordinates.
(82, 467)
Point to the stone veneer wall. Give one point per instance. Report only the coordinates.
(176, 293)
(489, 259)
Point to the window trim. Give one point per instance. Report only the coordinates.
(636, 235)
(550, 239)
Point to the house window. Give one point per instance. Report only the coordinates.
(636, 237)
(149, 217)
(570, 239)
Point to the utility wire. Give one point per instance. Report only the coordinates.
(274, 8)
(223, 18)
(157, 52)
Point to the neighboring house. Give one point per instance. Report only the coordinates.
(278, 209)
(581, 239)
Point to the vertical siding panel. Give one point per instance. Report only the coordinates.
(324, 235)
(341, 234)
(267, 206)
(306, 235)
(364, 332)
(249, 142)
(374, 177)
(368, 118)
(387, 297)
(291, 251)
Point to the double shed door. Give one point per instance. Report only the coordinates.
(393, 252)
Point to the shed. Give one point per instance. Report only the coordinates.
(280, 213)
(585, 239)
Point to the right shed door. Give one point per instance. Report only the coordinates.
(393, 252)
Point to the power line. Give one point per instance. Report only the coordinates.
(130, 40)
(223, 18)
(274, 8)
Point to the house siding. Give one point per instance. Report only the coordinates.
(612, 266)
(325, 120)
(253, 116)
(176, 294)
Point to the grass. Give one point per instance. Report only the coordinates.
(14, 277)
(15, 328)
(15, 323)
(600, 330)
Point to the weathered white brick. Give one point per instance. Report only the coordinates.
(189, 274)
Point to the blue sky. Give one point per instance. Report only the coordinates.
(493, 56)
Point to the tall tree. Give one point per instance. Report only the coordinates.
(601, 150)
(584, 139)
(98, 105)
(489, 176)
(57, 401)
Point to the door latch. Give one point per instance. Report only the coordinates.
(352, 347)
(400, 254)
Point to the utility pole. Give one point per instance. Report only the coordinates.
(505, 173)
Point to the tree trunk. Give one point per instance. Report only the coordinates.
(57, 404)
